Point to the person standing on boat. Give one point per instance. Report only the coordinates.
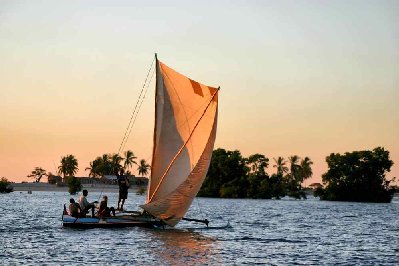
(85, 205)
(124, 185)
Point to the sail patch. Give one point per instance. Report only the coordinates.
(197, 87)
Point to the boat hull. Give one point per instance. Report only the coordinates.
(111, 222)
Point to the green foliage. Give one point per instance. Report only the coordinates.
(257, 164)
(109, 164)
(53, 179)
(229, 191)
(129, 160)
(232, 176)
(37, 174)
(4, 185)
(358, 176)
(278, 186)
(225, 167)
(143, 168)
(280, 165)
(318, 192)
(69, 166)
(74, 185)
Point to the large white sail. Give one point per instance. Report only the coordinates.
(184, 135)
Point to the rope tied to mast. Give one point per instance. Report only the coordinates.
(137, 108)
(133, 116)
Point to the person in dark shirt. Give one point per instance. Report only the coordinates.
(74, 209)
(124, 185)
(104, 210)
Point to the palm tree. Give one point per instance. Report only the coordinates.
(306, 168)
(69, 166)
(294, 166)
(129, 160)
(144, 167)
(257, 163)
(280, 165)
(94, 168)
(38, 173)
(100, 166)
(116, 163)
(91, 169)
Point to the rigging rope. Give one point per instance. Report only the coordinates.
(133, 117)
(136, 110)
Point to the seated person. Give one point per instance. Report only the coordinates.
(74, 209)
(85, 205)
(104, 211)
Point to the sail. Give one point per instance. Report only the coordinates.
(184, 135)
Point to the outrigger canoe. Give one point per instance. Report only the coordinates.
(183, 141)
(120, 220)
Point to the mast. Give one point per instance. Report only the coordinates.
(155, 123)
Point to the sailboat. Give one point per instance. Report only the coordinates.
(184, 136)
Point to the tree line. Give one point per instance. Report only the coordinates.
(107, 164)
(231, 175)
(353, 176)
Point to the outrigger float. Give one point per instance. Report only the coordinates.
(120, 220)
(184, 136)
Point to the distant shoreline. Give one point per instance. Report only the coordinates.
(50, 187)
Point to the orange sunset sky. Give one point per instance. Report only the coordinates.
(297, 77)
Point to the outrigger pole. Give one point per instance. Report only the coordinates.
(197, 221)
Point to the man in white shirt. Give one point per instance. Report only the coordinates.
(85, 205)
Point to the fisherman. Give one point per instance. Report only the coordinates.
(104, 210)
(85, 205)
(124, 185)
(74, 209)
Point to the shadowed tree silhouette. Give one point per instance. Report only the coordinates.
(37, 174)
(143, 168)
(129, 160)
(257, 164)
(280, 165)
(358, 176)
(68, 167)
(306, 168)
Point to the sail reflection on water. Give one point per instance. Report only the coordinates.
(180, 245)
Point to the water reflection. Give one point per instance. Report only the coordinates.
(178, 246)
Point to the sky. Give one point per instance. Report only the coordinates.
(306, 78)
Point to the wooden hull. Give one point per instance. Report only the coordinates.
(111, 222)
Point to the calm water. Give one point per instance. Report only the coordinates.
(284, 232)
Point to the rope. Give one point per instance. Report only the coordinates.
(133, 117)
(135, 110)
(139, 107)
